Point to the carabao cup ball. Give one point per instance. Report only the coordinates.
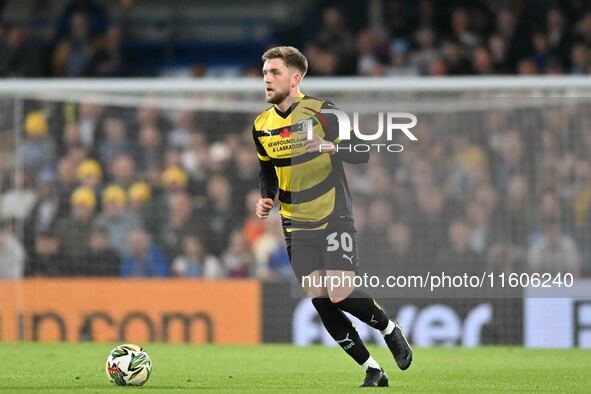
(128, 365)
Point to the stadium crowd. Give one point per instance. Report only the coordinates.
(144, 192)
(458, 38)
(423, 37)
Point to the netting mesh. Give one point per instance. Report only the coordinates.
(165, 185)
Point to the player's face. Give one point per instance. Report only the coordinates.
(278, 80)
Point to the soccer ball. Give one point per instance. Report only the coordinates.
(128, 365)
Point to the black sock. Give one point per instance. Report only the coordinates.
(341, 329)
(365, 308)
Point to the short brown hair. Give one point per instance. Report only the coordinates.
(290, 55)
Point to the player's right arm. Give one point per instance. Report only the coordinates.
(268, 182)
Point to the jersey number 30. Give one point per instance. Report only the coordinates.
(346, 242)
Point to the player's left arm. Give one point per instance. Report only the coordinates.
(331, 143)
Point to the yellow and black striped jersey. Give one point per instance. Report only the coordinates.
(312, 186)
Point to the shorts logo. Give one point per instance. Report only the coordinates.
(350, 258)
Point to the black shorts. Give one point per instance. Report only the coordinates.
(334, 248)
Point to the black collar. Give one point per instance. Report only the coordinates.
(283, 114)
(291, 107)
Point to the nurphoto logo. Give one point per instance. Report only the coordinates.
(395, 122)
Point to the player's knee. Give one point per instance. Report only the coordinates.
(336, 299)
(316, 292)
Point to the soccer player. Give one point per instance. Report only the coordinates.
(308, 177)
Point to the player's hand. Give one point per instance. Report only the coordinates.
(317, 144)
(263, 207)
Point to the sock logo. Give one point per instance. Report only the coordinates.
(349, 342)
(373, 321)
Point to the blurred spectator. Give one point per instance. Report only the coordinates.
(556, 30)
(398, 23)
(17, 57)
(515, 217)
(527, 67)
(400, 64)
(174, 179)
(150, 149)
(506, 258)
(149, 207)
(73, 231)
(66, 181)
(270, 253)
(46, 210)
(583, 30)
(482, 62)
(46, 258)
(253, 226)
(89, 123)
(429, 222)
(437, 68)
(554, 252)
(109, 59)
(73, 53)
(455, 60)
(93, 12)
(481, 233)
(218, 215)
(579, 59)
(461, 31)
(549, 209)
(179, 224)
(139, 196)
(194, 262)
(581, 205)
(279, 266)
(100, 259)
(510, 162)
(89, 174)
(459, 257)
(114, 141)
(426, 51)
(123, 170)
(38, 150)
(237, 259)
(367, 52)
(115, 218)
(150, 115)
(144, 258)
(70, 140)
(335, 39)
(244, 176)
(185, 125)
(399, 257)
(12, 254)
(380, 215)
(499, 52)
(18, 201)
(541, 54)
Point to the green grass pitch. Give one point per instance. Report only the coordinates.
(34, 368)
